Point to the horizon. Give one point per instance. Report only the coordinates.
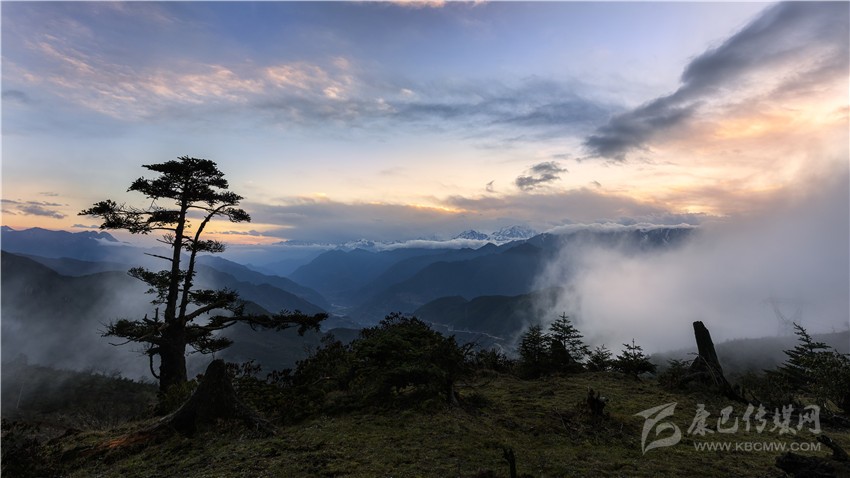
(397, 121)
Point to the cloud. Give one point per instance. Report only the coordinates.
(794, 249)
(419, 3)
(546, 210)
(539, 174)
(36, 210)
(327, 221)
(16, 96)
(789, 47)
(631, 130)
(489, 187)
(241, 233)
(33, 208)
(83, 226)
(543, 108)
(301, 93)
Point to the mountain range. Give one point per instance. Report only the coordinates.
(57, 319)
(59, 289)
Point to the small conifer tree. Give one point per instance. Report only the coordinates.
(632, 361)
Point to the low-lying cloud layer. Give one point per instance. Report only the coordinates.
(795, 251)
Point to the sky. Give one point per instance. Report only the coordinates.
(398, 121)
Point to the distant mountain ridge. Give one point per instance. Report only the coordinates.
(367, 285)
(243, 273)
(86, 245)
(511, 271)
(495, 318)
(90, 252)
(471, 286)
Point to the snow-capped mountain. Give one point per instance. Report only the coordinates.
(473, 235)
(468, 238)
(512, 233)
(505, 234)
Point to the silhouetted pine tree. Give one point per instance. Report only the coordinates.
(632, 361)
(534, 352)
(563, 332)
(600, 359)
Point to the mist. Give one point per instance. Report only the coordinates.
(59, 322)
(794, 249)
(73, 340)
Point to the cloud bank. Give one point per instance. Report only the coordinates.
(326, 221)
(795, 250)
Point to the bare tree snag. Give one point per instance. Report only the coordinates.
(705, 348)
(214, 399)
(706, 366)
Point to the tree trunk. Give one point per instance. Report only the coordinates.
(172, 364)
(451, 394)
(214, 399)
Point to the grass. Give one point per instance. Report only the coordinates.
(542, 420)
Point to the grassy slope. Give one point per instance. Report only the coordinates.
(541, 420)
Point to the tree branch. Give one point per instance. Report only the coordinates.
(158, 256)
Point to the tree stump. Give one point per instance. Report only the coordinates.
(213, 400)
(596, 403)
(706, 367)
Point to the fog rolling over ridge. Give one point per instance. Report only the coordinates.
(796, 250)
(58, 320)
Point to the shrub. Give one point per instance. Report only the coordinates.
(492, 359)
(22, 454)
(674, 374)
(404, 355)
